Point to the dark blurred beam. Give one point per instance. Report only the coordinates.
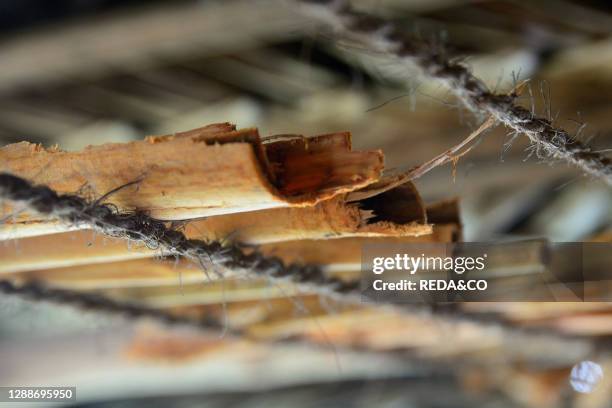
(135, 39)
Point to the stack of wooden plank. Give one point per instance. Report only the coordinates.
(310, 200)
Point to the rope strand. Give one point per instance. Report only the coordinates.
(383, 36)
(139, 227)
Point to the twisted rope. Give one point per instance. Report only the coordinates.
(139, 227)
(382, 36)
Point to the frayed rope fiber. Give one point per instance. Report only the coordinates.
(382, 36)
(139, 227)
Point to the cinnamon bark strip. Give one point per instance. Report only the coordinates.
(207, 171)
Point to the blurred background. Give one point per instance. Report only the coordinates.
(81, 72)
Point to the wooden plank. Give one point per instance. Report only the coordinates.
(333, 218)
(139, 39)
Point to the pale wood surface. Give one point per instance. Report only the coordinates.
(66, 249)
(282, 231)
(86, 260)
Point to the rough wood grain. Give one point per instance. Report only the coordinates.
(334, 218)
(207, 171)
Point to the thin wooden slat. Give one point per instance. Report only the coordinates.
(83, 259)
(333, 218)
(344, 254)
(209, 293)
(120, 274)
(137, 39)
(66, 249)
(71, 262)
(326, 220)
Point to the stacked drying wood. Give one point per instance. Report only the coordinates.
(305, 200)
(284, 193)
